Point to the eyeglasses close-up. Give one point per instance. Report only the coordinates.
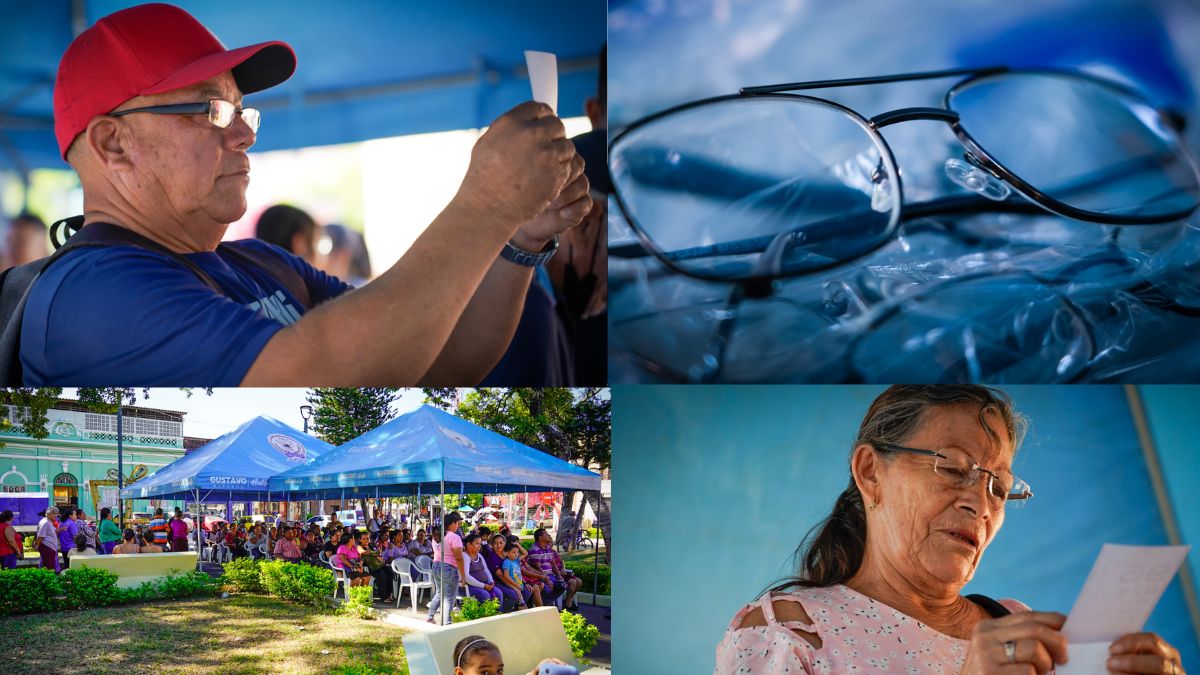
(1017, 223)
(220, 112)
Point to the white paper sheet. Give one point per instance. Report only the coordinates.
(543, 77)
(1122, 589)
(1086, 658)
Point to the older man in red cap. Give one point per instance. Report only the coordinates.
(149, 112)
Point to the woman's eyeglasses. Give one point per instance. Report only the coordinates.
(767, 184)
(959, 471)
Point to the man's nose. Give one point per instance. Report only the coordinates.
(239, 135)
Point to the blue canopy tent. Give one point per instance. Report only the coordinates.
(426, 450)
(365, 70)
(429, 448)
(236, 466)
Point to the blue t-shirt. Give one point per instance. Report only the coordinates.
(540, 353)
(513, 568)
(124, 315)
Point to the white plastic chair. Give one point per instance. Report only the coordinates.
(343, 582)
(403, 568)
(265, 549)
(424, 565)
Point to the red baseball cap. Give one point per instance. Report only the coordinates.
(150, 49)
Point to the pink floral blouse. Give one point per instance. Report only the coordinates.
(857, 634)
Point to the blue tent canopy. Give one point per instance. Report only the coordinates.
(236, 465)
(366, 69)
(420, 450)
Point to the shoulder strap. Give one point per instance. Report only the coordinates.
(17, 283)
(992, 607)
(279, 268)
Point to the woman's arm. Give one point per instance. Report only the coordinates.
(465, 565)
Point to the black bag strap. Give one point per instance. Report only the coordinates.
(994, 608)
(16, 283)
(284, 273)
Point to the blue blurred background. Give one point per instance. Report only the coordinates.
(720, 483)
(366, 69)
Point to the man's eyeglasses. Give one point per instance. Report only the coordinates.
(959, 471)
(766, 184)
(220, 112)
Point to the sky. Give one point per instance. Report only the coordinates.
(227, 409)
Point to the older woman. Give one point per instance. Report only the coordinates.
(879, 585)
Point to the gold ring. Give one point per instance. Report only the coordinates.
(1010, 650)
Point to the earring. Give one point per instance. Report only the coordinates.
(872, 507)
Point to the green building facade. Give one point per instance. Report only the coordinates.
(76, 464)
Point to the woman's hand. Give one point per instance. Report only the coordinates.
(1144, 653)
(1013, 643)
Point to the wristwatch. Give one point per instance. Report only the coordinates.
(519, 256)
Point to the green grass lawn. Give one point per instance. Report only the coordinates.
(586, 555)
(240, 634)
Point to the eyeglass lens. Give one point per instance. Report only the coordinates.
(755, 187)
(1083, 143)
(221, 114)
(961, 471)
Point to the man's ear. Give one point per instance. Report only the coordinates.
(107, 141)
(866, 467)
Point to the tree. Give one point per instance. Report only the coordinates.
(343, 414)
(571, 424)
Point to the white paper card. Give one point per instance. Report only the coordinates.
(543, 77)
(1085, 658)
(1120, 592)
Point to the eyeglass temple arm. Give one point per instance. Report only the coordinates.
(173, 107)
(878, 79)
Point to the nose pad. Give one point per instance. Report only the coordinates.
(975, 179)
(881, 190)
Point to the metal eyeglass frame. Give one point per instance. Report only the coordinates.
(205, 108)
(1020, 496)
(757, 285)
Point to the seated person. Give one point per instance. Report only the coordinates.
(420, 546)
(254, 542)
(512, 574)
(81, 546)
(347, 559)
(480, 583)
(146, 544)
(373, 563)
(546, 559)
(395, 548)
(514, 594)
(286, 548)
(127, 545)
(310, 547)
(475, 655)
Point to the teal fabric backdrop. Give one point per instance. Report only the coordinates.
(718, 485)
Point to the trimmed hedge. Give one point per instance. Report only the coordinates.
(301, 584)
(31, 590)
(585, 571)
(91, 587)
(242, 574)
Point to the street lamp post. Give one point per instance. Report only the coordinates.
(306, 413)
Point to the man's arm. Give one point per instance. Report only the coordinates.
(486, 328)
(391, 330)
